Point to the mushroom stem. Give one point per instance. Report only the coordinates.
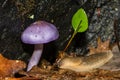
(34, 60)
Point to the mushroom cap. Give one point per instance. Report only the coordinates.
(40, 32)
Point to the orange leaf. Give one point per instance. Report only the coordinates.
(9, 67)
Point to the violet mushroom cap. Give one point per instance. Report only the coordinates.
(38, 33)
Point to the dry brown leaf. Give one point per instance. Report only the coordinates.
(9, 78)
(35, 72)
(22, 78)
(9, 67)
(101, 47)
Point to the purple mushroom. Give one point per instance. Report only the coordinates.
(38, 33)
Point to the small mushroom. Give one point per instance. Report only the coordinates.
(38, 33)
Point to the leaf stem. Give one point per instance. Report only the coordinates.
(70, 41)
(75, 32)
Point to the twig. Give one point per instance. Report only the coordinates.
(4, 3)
(116, 34)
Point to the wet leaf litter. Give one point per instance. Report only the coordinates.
(48, 71)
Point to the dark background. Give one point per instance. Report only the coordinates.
(15, 17)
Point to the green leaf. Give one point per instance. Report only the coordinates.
(80, 21)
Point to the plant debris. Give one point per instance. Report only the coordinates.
(101, 47)
(9, 67)
(54, 73)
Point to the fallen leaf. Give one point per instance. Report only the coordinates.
(22, 78)
(101, 47)
(9, 67)
(35, 72)
(9, 78)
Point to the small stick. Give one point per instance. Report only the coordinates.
(116, 34)
(4, 3)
